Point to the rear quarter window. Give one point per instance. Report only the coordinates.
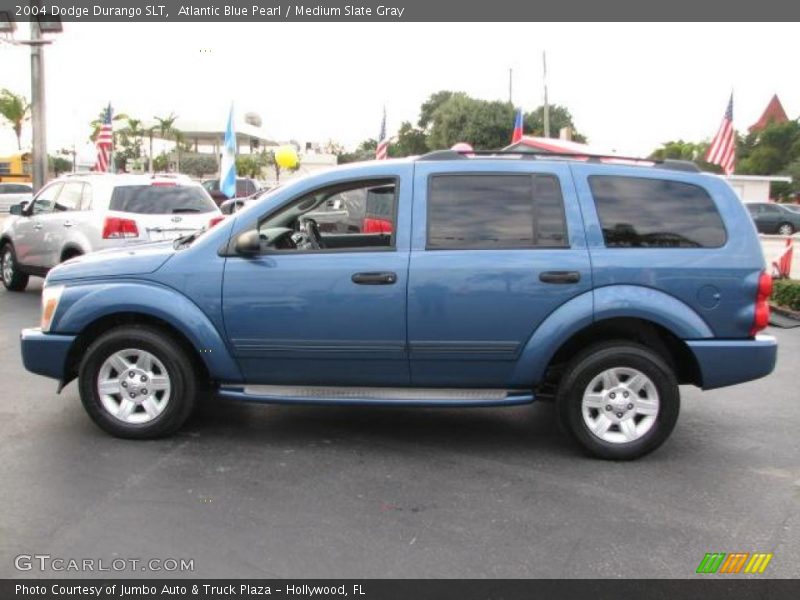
(161, 199)
(655, 213)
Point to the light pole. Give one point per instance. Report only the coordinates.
(38, 124)
(39, 26)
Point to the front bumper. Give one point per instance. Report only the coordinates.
(728, 362)
(45, 353)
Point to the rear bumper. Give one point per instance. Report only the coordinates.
(45, 353)
(728, 362)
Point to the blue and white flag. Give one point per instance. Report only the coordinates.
(227, 173)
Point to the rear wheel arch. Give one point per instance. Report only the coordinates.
(71, 251)
(673, 350)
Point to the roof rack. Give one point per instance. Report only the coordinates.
(671, 164)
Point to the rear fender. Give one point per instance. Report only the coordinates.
(598, 305)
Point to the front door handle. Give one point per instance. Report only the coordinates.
(559, 277)
(38, 226)
(378, 278)
(67, 223)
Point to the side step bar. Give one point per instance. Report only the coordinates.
(304, 394)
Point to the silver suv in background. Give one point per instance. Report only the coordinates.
(12, 193)
(86, 212)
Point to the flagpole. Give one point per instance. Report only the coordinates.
(546, 105)
(510, 85)
(111, 167)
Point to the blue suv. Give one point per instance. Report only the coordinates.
(493, 280)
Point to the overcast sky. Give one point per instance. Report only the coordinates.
(629, 87)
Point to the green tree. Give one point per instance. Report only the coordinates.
(430, 106)
(15, 109)
(364, 151)
(165, 126)
(248, 165)
(770, 150)
(58, 165)
(559, 117)
(484, 124)
(410, 141)
(198, 165)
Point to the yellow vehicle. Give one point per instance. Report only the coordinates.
(16, 167)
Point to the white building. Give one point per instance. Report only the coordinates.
(754, 188)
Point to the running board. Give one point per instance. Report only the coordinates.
(304, 394)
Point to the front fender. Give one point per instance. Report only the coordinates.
(81, 305)
(617, 301)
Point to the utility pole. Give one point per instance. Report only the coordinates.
(546, 105)
(38, 107)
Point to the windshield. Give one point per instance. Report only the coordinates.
(161, 199)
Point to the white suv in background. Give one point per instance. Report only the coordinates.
(85, 212)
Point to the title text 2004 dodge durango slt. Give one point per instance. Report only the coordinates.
(496, 280)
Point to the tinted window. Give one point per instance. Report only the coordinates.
(161, 199)
(655, 213)
(495, 211)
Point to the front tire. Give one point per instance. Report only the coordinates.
(619, 400)
(137, 383)
(13, 279)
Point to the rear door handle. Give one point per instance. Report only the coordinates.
(378, 278)
(67, 223)
(559, 277)
(38, 226)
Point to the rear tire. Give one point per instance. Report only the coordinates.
(137, 383)
(13, 279)
(619, 400)
(785, 229)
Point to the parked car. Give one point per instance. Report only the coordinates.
(78, 214)
(771, 217)
(14, 193)
(244, 187)
(600, 286)
(233, 205)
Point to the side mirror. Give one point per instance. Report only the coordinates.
(15, 209)
(249, 243)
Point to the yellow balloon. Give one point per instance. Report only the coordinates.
(286, 157)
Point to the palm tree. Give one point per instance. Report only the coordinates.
(97, 123)
(166, 129)
(16, 109)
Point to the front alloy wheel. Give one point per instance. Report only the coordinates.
(13, 279)
(137, 382)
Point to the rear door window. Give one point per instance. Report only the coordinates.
(161, 199)
(637, 212)
(486, 211)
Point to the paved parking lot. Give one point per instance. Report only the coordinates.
(267, 491)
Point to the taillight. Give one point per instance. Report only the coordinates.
(761, 317)
(116, 228)
(216, 220)
(370, 225)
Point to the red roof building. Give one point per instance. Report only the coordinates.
(774, 113)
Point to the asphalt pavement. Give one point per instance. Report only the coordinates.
(289, 492)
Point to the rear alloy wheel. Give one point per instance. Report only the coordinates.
(619, 400)
(785, 229)
(136, 382)
(13, 279)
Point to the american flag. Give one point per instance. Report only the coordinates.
(722, 150)
(382, 151)
(104, 143)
